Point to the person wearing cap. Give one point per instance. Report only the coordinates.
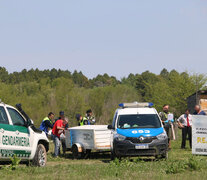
(47, 123)
(62, 136)
(66, 125)
(80, 120)
(89, 117)
(58, 129)
(62, 116)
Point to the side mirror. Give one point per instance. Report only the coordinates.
(110, 127)
(29, 122)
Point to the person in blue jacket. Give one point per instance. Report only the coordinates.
(47, 123)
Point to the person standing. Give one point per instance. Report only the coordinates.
(80, 120)
(89, 117)
(57, 130)
(198, 110)
(62, 136)
(167, 125)
(47, 123)
(185, 123)
(62, 116)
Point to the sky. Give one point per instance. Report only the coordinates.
(117, 37)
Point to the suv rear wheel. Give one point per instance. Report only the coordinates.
(40, 158)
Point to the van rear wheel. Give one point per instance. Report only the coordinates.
(40, 158)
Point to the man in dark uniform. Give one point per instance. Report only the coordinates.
(47, 123)
(89, 117)
(164, 117)
(80, 120)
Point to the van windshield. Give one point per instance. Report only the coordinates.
(138, 121)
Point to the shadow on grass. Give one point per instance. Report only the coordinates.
(105, 157)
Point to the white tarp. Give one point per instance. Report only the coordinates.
(199, 135)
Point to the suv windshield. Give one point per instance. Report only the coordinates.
(138, 121)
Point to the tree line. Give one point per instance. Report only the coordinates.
(53, 90)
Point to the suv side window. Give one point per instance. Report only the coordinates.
(16, 118)
(3, 116)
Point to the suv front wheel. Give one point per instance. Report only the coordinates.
(40, 158)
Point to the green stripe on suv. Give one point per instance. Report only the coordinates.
(8, 127)
(19, 153)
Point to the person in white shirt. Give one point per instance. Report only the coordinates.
(185, 123)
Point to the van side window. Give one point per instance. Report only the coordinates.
(3, 116)
(16, 118)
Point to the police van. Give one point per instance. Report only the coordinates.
(19, 136)
(137, 130)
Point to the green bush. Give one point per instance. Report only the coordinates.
(176, 167)
(193, 163)
(14, 162)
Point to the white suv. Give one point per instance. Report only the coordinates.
(19, 136)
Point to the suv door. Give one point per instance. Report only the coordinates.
(7, 148)
(23, 142)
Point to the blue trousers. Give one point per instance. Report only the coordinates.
(57, 144)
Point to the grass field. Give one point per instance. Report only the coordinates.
(180, 165)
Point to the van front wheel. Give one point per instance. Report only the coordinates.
(165, 155)
(114, 156)
(40, 158)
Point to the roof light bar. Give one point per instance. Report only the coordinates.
(136, 104)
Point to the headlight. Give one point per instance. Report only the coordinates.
(119, 137)
(162, 136)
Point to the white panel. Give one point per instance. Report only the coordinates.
(83, 137)
(67, 139)
(97, 132)
(137, 111)
(93, 127)
(90, 137)
(199, 135)
(102, 139)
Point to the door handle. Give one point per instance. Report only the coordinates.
(2, 130)
(17, 132)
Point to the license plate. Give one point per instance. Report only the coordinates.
(142, 146)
